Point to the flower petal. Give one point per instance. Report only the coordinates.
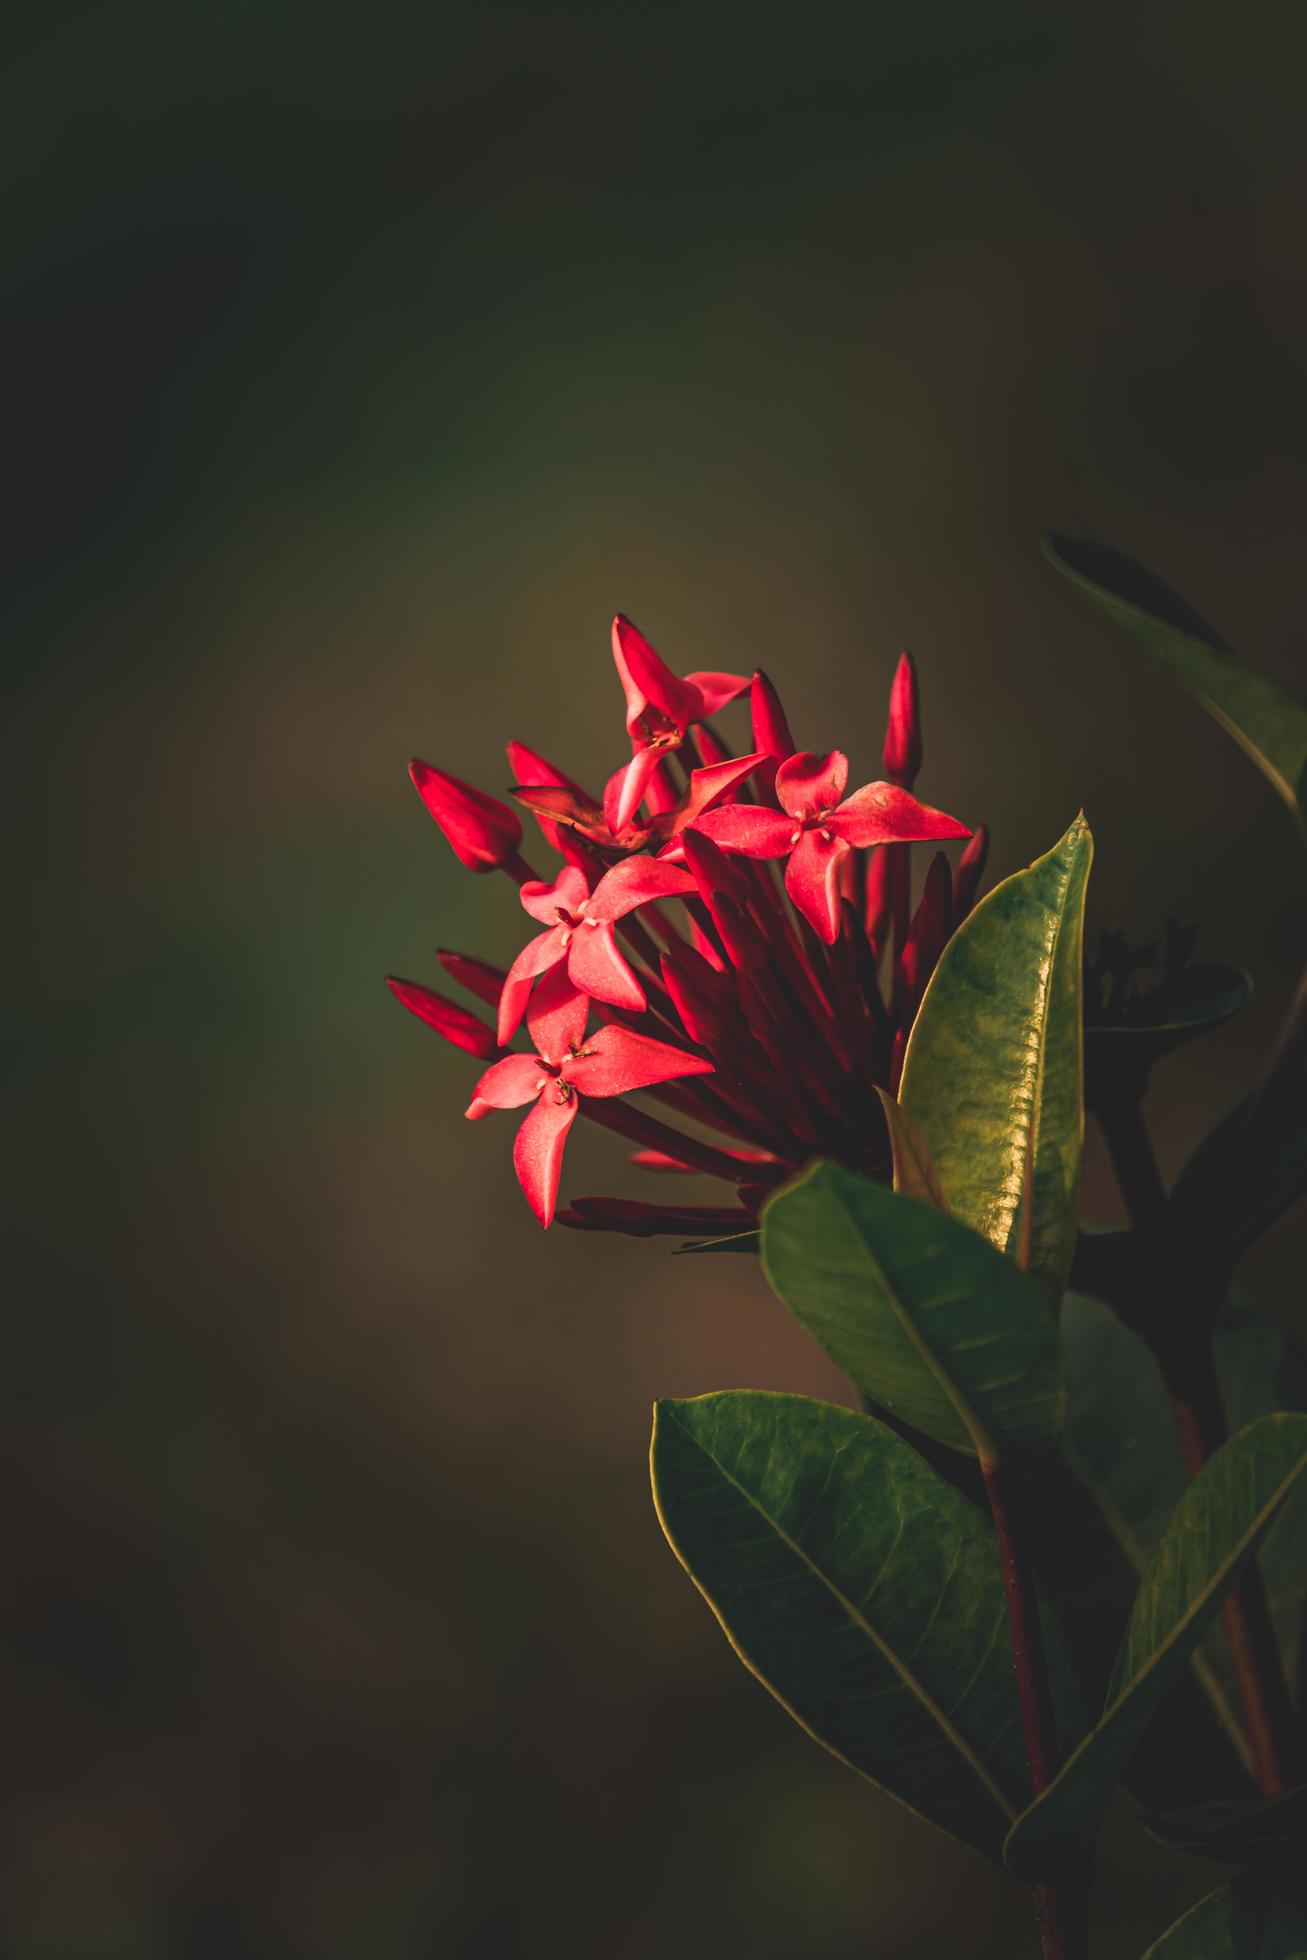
(568, 893)
(458, 1025)
(749, 830)
(717, 689)
(557, 1015)
(636, 881)
(508, 1084)
(536, 771)
(616, 1061)
(538, 1149)
(812, 879)
(884, 814)
(771, 730)
(649, 683)
(634, 781)
(808, 784)
(537, 956)
(596, 965)
(708, 786)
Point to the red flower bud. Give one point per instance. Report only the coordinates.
(458, 1025)
(970, 871)
(700, 995)
(478, 976)
(482, 833)
(903, 732)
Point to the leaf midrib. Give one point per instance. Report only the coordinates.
(980, 1437)
(1027, 1221)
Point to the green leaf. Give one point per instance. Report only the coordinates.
(1092, 1541)
(993, 1071)
(1252, 1166)
(732, 1242)
(1247, 1920)
(1217, 1522)
(1267, 722)
(1201, 997)
(918, 1310)
(1269, 1832)
(1094, 1510)
(1261, 1367)
(914, 1167)
(863, 1591)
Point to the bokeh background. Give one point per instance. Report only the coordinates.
(362, 361)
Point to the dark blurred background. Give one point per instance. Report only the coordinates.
(362, 361)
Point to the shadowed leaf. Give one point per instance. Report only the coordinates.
(920, 1311)
(1268, 722)
(863, 1591)
(1247, 1920)
(1269, 1832)
(1216, 1524)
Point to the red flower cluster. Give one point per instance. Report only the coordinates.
(749, 1004)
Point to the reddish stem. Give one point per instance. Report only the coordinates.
(1058, 1903)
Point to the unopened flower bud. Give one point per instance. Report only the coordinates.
(483, 833)
(903, 730)
(459, 1026)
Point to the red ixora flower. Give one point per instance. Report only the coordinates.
(580, 930)
(660, 709)
(567, 1067)
(758, 1014)
(817, 826)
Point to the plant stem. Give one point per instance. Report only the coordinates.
(1058, 1905)
(1186, 1356)
(1125, 1132)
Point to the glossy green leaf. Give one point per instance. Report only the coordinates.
(914, 1167)
(1269, 1832)
(920, 1311)
(863, 1591)
(1216, 1524)
(1247, 1920)
(993, 1070)
(1268, 722)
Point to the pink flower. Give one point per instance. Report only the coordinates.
(566, 1068)
(817, 826)
(660, 708)
(580, 929)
